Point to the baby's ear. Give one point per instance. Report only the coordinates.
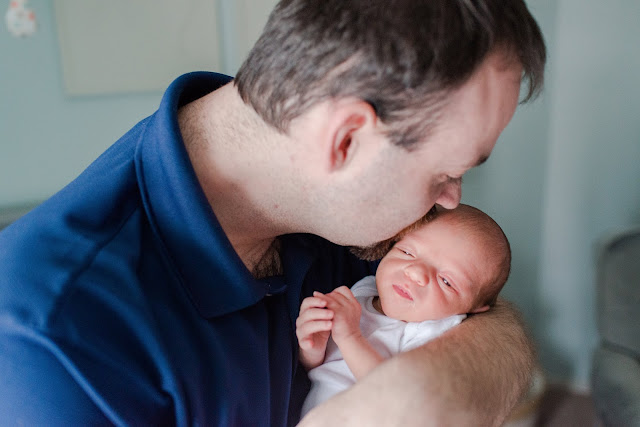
(480, 309)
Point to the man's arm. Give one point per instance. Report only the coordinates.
(37, 389)
(474, 374)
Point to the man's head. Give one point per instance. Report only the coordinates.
(384, 105)
(403, 57)
(455, 263)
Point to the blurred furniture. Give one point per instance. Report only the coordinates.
(527, 410)
(9, 214)
(616, 363)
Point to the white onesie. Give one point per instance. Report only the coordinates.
(388, 336)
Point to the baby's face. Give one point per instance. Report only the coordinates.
(434, 272)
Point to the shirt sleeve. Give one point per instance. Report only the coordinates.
(37, 389)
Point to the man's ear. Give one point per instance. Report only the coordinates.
(351, 117)
(480, 309)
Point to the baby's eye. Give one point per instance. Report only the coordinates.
(446, 282)
(406, 252)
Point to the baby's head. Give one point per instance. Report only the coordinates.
(455, 262)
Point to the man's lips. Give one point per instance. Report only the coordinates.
(402, 292)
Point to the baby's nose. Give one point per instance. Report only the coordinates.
(417, 275)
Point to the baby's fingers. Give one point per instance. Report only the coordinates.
(307, 329)
(341, 298)
(313, 314)
(318, 301)
(345, 292)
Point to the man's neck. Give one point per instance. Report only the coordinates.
(270, 264)
(224, 141)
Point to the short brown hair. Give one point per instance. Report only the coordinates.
(401, 56)
(497, 249)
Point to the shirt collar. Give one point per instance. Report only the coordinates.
(189, 235)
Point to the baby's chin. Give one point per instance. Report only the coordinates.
(402, 316)
(393, 312)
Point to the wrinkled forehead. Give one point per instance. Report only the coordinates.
(480, 236)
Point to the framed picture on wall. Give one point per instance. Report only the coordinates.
(127, 46)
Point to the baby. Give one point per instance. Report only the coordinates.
(452, 265)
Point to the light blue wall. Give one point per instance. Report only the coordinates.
(593, 166)
(47, 138)
(510, 188)
(566, 170)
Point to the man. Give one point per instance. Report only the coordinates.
(162, 285)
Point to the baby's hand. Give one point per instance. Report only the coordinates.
(313, 327)
(346, 314)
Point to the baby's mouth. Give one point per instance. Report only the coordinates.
(402, 292)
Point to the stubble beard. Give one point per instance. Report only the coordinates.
(378, 250)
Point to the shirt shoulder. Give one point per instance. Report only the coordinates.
(49, 249)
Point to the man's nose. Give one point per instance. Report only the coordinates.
(451, 194)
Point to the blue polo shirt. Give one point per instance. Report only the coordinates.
(122, 301)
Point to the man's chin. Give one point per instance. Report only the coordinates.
(378, 250)
(373, 252)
